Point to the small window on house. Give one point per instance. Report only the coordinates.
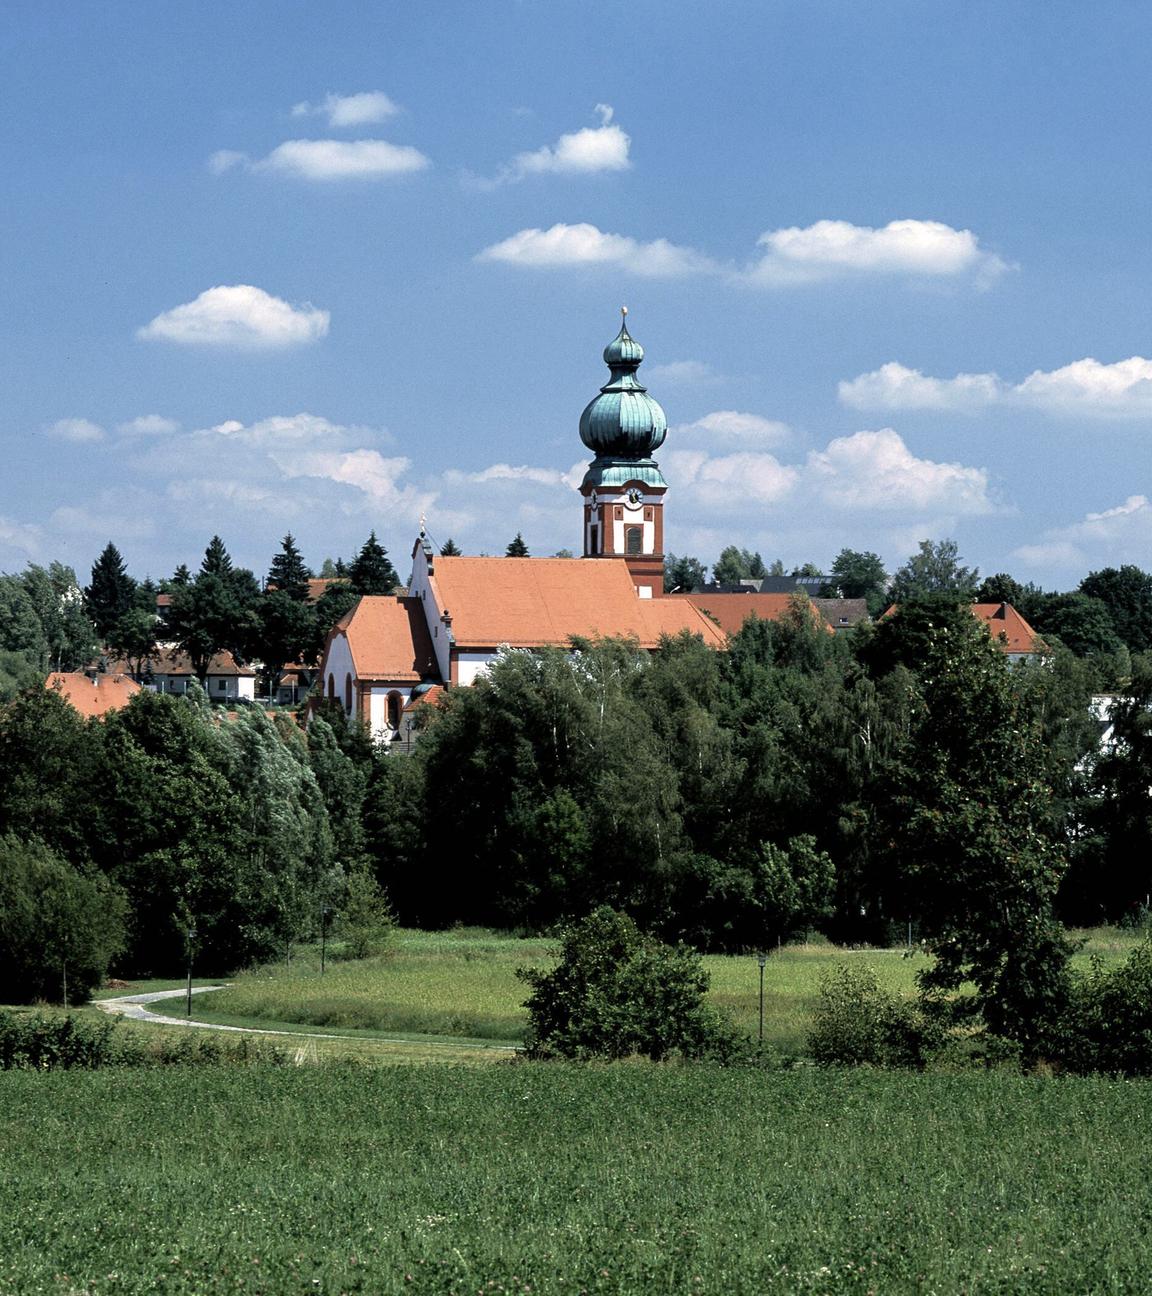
(332, 686)
(395, 706)
(633, 540)
(221, 685)
(348, 692)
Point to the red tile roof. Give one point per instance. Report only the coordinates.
(1008, 628)
(532, 602)
(732, 610)
(388, 639)
(94, 696)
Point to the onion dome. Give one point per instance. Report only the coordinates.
(623, 422)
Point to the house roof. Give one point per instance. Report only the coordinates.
(842, 612)
(388, 638)
(1008, 628)
(532, 602)
(93, 695)
(169, 661)
(732, 610)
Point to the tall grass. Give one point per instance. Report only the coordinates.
(558, 1179)
(463, 984)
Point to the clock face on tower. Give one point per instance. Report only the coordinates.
(634, 498)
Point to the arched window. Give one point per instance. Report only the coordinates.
(332, 687)
(395, 706)
(633, 540)
(348, 692)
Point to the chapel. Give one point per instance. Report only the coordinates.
(391, 654)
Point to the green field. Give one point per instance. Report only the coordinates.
(555, 1179)
(463, 984)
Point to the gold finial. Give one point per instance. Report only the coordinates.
(423, 523)
(623, 310)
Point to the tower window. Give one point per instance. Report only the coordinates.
(633, 540)
(594, 539)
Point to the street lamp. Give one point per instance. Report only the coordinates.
(761, 958)
(191, 938)
(323, 934)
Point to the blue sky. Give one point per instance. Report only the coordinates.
(323, 268)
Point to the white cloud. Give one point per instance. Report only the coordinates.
(876, 472)
(1122, 534)
(730, 482)
(225, 160)
(350, 110)
(866, 473)
(20, 542)
(823, 251)
(681, 373)
(836, 249)
(511, 472)
(325, 159)
(895, 387)
(148, 425)
(731, 427)
(585, 245)
(1083, 388)
(601, 148)
(76, 430)
(238, 317)
(118, 514)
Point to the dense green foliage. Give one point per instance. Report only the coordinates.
(59, 929)
(616, 993)
(34, 1042)
(568, 1179)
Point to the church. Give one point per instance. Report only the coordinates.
(391, 654)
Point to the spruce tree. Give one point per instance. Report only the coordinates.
(288, 573)
(371, 571)
(217, 561)
(111, 591)
(517, 548)
(449, 549)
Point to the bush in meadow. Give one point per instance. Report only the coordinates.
(617, 992)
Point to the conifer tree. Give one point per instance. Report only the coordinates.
(517, 548)
(288, 573)
(217, 561)
(111, 591)
(449, 549)
(371, 571)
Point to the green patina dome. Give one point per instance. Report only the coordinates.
(623, 422)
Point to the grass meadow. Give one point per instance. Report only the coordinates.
(551, 1178)
(463, 984)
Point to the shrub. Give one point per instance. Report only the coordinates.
(35, 1042)
(617, 992)
(366, 921)
(859, 1023)
(1108, 1027)
(58, 928)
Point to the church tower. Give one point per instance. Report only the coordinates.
(623, 488)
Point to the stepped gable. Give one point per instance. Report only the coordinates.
(388, 638)
(532, 602)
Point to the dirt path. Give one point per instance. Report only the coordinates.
(135, 1006)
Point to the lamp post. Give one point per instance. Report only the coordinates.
(323, 934)
(761, 958)
(191, 938)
